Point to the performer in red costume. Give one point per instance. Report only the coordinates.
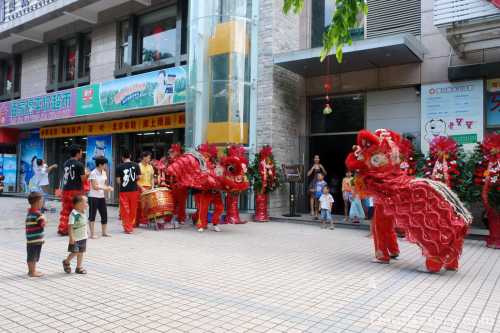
(127, 175)
(180, 194)
(199, 171)
(431, 215)
(490, 194)
(74, 177)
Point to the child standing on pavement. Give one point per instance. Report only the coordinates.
(35, 224)
(318, 191)
(77, 235)
(326, 204)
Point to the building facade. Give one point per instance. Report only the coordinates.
(142, 74)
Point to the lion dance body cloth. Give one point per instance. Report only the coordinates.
(200, 171)
(428, 212)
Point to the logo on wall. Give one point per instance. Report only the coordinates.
(87, 95)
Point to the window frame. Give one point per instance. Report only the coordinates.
(15, 61)
(131, 65)
(57, 49)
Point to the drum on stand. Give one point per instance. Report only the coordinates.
(157, 203)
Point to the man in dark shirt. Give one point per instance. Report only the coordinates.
(73, 179)
(127, 175)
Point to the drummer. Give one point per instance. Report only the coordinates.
(127, 174)
(145, 182)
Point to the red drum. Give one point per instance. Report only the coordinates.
(157, 203)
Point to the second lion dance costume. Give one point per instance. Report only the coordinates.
(200, 171)
(428, 212)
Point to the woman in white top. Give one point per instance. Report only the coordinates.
(97, 201)
(41, 177)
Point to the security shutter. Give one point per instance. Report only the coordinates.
(393, 17)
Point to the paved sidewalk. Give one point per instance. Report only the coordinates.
(272, 277)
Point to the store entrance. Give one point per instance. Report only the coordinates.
(332, 135)
(333, 150)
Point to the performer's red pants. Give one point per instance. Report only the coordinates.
(129, 201)
(67, 207)
(141, 219)
(384, 236)
(493, 239)
(204, 199)
(180, 197)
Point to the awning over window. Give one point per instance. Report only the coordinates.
(361, 55)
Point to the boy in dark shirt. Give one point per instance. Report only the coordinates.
(35, 224)
(127, 175)
(74, 177)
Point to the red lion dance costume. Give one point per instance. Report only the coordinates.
(236, 156)
(199, 171)
(266, 170)
(488, 173)
(430, 214)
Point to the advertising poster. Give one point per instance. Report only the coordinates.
(98, 146)
(454, 110)
(493, 103)
(31, 149)
(9, 172)
(163, 87)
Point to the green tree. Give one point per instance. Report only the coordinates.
(344, 19)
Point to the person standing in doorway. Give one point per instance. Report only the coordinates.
(347, 193)
(97, 200)
(128, 173)
(316, 168)
(73, 179)
(42, 171)
(145, 182)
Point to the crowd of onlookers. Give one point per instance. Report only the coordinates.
(357, 207)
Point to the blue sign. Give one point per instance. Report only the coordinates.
(493, 103)
(31, 150)
(99, 146)
(9, 171)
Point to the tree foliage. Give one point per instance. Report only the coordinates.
(344, 19)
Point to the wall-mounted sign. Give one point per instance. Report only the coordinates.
(163, 87)
(454, 110)
(11, 10)
(141, 124)
(493, 103)
(153, 89)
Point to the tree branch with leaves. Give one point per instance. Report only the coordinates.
(338, 33)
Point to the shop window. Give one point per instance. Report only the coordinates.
(153, 40)
(348, 114)
(69, 63)
(322, 14)
(10, 78)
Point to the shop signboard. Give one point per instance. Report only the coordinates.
(31, 149)
(99, 146)
(57, 105)
(148, 90)
(454, 110)
(129, 125)
(152, 89)
(9, 171)
(493, 103)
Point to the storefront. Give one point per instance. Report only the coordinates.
(110, 138)
(137, 113)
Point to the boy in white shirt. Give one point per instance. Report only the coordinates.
(325, 204)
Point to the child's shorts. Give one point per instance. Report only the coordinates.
(326, 215)
(33, 252)
(79, 246)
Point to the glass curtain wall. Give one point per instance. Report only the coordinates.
(222, 68)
